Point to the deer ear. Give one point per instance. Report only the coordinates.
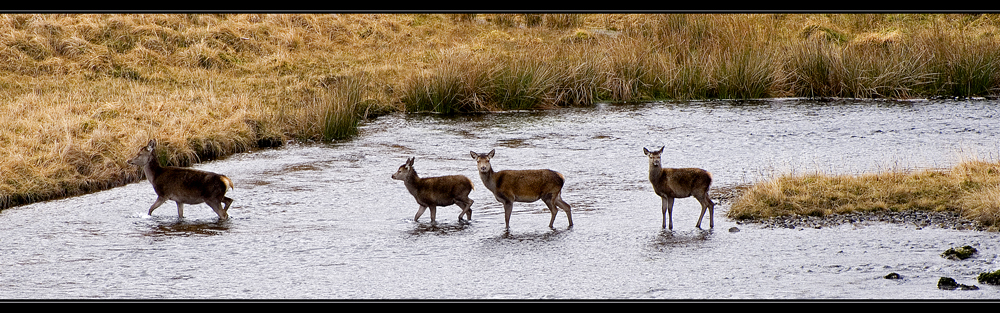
(409, 161)
(490, 155)
(661, 149)
(473, 154)
(151, 145)
(645, 151)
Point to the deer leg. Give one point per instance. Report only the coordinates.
(706, 204)
(468, 210)
(180, 209)
(158, 203)
(433, 214)
(703, 209)
(565, 207)
(508, 206)
(217, 207)
(668, 211)
(711, 212)
(466, 205)
(552, 208)
(227, 201)
(419, 212)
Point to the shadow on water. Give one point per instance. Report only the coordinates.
(187, 228)
(553, 235)
(438, 228)
(671, 239)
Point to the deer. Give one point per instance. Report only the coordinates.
(672, 183)
(509, 186)
(432, 192)
(183, 185)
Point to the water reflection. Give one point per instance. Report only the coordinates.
(439, 228)
(174, 227)
(554, 235)
(671, 239)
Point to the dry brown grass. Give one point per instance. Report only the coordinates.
(971, 188)
(82, 92)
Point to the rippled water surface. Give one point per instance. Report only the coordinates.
(325, 221)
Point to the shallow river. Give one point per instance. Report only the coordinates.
(325, 221)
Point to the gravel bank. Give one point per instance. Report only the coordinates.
(920, 219)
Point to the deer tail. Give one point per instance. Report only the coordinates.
(227, 181)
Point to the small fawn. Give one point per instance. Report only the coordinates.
(183, 185)
(509, 186)
(433, 192)
(671, 183)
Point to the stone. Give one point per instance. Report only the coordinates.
(960, 253)
(948, 283)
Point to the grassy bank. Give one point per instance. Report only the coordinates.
(971, 188)
(80, 93)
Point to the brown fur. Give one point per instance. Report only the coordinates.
(671, 183)
(511, 186)
(433, 192)
(183, 185)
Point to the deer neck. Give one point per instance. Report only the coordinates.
(152, 169)
(489, 179)
(411, 181)
(655, 172)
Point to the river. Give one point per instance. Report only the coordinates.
(326, 221)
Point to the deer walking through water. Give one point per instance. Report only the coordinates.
(183, 185)
(509, 186)
(432, 192)
(671, 183)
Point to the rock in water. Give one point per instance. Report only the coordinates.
(948, 283)
(961, 253)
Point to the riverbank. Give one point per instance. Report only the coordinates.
(81, 93)
(916, 218)
(962, 197)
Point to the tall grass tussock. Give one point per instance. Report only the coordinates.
(80, 92)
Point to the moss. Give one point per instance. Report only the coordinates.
(960, 253)
(992, 278)
(948, 283)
